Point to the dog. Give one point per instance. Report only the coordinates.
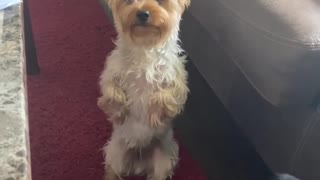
(143, 88)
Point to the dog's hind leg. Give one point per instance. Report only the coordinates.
(115, 165)
(111, 174)
(164, 161)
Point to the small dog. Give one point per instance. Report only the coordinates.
(143, 87)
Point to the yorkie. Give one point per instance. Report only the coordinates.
(144, 87)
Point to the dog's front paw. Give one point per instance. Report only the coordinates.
(155, 120)
(116, 111)
(165, 106)
(113, 99)
(120, 116)
(105, 105)
(171, 111)
(114, 95)
(155, 115)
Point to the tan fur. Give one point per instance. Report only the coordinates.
(113, 101)
(144, 87)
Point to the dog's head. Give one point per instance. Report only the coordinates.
(147, 22)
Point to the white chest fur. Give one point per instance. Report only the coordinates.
(143, 75)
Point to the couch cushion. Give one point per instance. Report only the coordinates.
(275, 44)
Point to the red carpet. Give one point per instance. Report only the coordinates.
(67, 130)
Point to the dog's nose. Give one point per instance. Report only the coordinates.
(143, 16)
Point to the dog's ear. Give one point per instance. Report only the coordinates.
(184, 3)
(110, 3)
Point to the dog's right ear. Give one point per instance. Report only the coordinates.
(108, 6)
(110, 3)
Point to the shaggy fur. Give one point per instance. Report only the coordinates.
(144, 86)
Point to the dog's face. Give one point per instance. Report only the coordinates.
(147, 22)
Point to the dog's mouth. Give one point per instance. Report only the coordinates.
(147, 35)
(142, 29)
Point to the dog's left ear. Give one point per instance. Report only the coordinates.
(184, 3)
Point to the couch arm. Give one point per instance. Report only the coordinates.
(274, 43)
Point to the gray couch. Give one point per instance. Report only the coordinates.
(262, 58)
